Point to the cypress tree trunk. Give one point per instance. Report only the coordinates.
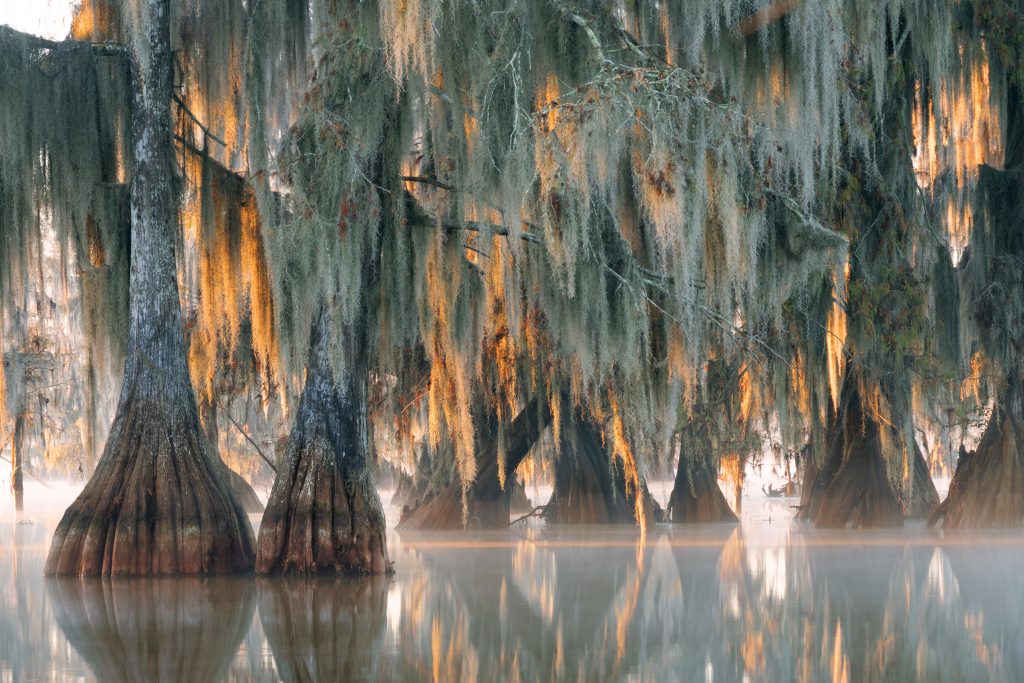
(17, 455)
(988, 486)
(324, 513)
(241, 489)
(852, 488)
(156, 503)
(696, 496)
(489, 503)
(590, 485)
(987, 489)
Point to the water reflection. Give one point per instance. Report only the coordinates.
(154, 629)
(761, 602)
(328, 629)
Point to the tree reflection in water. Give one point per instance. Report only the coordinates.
(326, 629)
(757, 603)
(173, 629)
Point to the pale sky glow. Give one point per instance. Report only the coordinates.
(47, 18)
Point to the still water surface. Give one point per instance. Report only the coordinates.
(770, 600)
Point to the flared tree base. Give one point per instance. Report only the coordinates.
(445, 510)
(319, 521)
(156, 505)
(696, 497)
(987, 489)
(852, 487)
(488, 504)
(590, 484)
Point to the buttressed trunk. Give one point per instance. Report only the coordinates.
(17, 462)
(156, 503)
(987, 489)
(489, 502)
(852, 487)
(324, 513)
(590, 484)
(696, 497)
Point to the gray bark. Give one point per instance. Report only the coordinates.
(156, 503)
(324, 513)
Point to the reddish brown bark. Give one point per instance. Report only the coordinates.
(590, 485)
(324, 514)
(696, 497)
(156, 503)
(987, 489)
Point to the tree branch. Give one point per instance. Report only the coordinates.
(250, 440)
(39, 43)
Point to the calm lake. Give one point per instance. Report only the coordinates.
(770, 600)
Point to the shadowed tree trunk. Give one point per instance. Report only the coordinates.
(590, 484)
(852, 488)
(156, 503)
(923, 496)
(241, 489)
(987, 489)
(489, 503)
(324, 514)
(809, 474)
(17, 458)
(696, 496)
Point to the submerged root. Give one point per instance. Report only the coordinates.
(156, 504)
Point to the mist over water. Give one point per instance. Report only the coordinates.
(770, 600)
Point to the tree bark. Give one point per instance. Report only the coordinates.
(156, 503)
(324, 513)
(696, 497)
(590, 484)
(852, 488)
(987, 489)
(923, 495)
(489, 504)
(17, 456)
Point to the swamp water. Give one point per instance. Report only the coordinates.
(770, 600)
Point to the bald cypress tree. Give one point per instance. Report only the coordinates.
(156, 504)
